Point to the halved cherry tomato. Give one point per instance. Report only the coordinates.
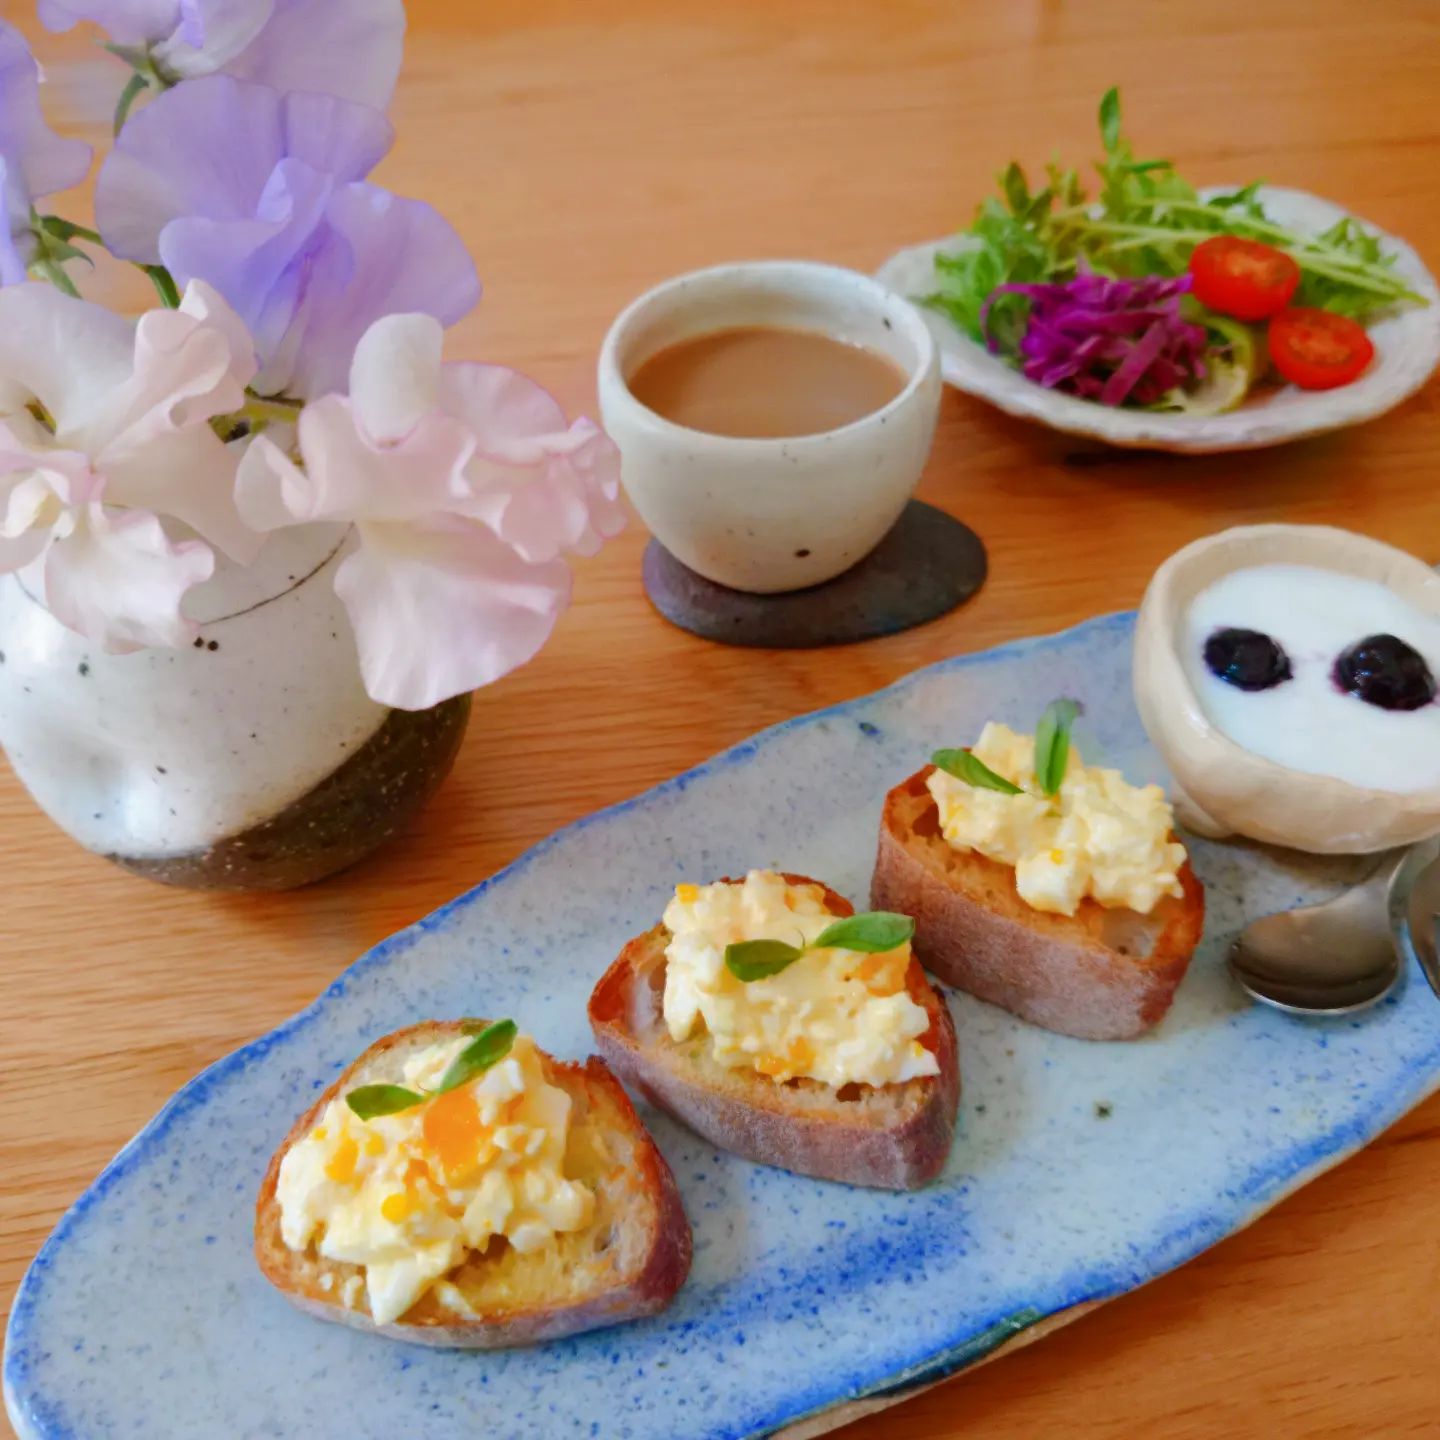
(1317, 349)
(1242, 278)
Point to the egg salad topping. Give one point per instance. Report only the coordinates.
(407, 1195)
(838, 1016)
(1097, 835)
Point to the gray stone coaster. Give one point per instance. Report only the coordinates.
(926, 566)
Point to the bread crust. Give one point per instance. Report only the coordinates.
(1098, 975)
(893, 1138)
(647, 1289)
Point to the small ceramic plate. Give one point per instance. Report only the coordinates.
(144, 1314)
(1407, 350)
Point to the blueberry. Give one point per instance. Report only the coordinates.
(1383, 670)
(1247, 659)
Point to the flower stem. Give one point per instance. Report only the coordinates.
(164, 285)
(135, 86)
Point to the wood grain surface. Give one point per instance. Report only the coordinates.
(586, 149)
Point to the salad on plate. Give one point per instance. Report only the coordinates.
(1152, 295)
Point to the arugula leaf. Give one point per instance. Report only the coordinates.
(368, 1101)
(749, 960)
(1052, 743)
(1017, 190)
(964, 766)
(1110, 120)
(489, 1047)
(1145, 220)
(1000, 249)
(872, 933)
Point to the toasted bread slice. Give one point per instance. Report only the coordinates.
(1101, 974)
(628, 1262)
(894, 1137)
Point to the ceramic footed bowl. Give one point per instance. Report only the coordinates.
(1220, 787)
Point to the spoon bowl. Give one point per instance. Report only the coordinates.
(1327, 959)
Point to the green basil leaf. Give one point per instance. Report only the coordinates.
(489, 1046)
(964, 766)
(372, 1100)
(872, 933)
(749, 960)
(1052, 743)
(1110, 120)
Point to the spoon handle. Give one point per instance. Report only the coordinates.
(1422, 912)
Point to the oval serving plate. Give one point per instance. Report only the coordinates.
(144, 1314)
(1407, 351)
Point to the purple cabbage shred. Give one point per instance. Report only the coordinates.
(1111, 340)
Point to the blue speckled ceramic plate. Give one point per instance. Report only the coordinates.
(1080, 1170)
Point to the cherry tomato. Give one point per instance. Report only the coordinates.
(1242, 278)
(1317, 349)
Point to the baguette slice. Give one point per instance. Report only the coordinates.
(628, 1263)
(1101, 974)
(895, 1137)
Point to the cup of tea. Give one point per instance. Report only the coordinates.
(773, 417)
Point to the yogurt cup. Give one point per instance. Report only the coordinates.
(1222, 788)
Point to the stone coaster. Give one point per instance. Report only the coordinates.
(926, 566)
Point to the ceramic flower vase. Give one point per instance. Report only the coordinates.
(252, 759)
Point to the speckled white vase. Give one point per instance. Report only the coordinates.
(253, 759)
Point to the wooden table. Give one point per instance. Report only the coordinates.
(587, 148)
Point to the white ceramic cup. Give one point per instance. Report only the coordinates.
(772, 515)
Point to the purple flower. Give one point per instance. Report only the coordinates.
(262, 196)
(34, 161)
(348, 48)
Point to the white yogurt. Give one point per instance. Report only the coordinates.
(1307, 722)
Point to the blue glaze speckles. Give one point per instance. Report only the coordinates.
(803, 1294)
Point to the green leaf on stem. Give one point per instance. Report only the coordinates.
(1052, 743)
(489, 1047)
(872, 933)
(372, 1100)
(964, 766)
(749, 960)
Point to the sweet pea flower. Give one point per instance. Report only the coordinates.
(262, 196)
(104, 428)
(34, 161)
(347, 48)
(464, 485)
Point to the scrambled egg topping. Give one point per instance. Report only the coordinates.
(833, 1015)
(1099, 836)
(408, 1195)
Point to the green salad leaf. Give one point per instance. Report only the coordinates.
(1144, 219)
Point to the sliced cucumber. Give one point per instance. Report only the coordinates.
(1236, 361)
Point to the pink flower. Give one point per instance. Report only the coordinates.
(104, 428)
(465, 485)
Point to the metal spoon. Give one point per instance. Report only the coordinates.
(1325, 959)
(1422, 913)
